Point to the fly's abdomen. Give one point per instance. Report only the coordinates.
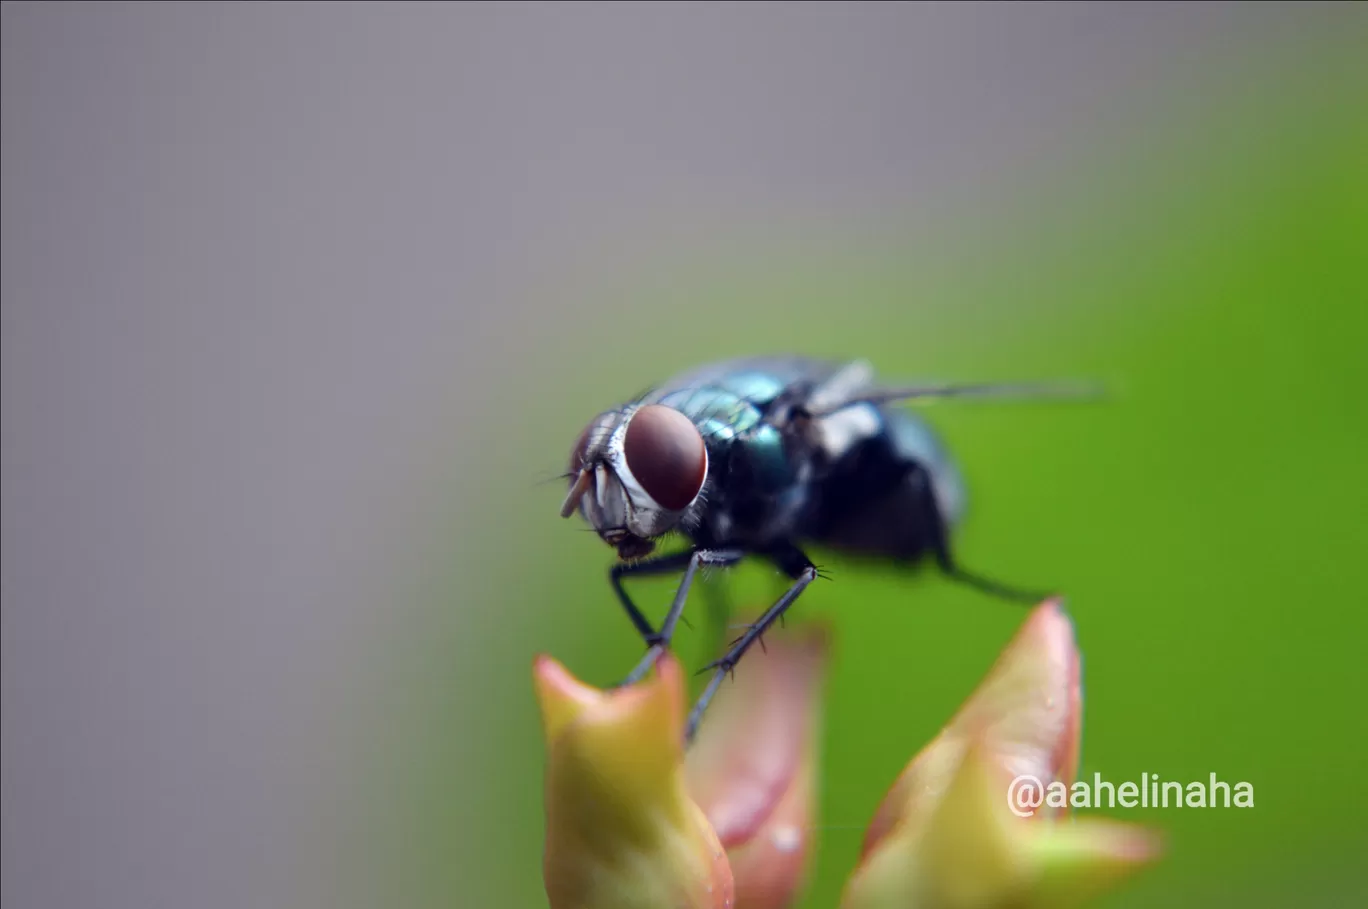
(914, 439)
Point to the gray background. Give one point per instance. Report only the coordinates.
(270, 272)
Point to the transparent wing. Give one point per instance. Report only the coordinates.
(842, 391)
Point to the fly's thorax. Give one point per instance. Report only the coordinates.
(835, 434)
(637, 474)
(758, 487)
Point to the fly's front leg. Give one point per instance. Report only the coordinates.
(644, 569)
(657, 642)
(797, 566)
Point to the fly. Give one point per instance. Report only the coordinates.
(759, 458)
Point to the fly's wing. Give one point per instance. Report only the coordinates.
(851, 386)
(842, 387)
(827, 386)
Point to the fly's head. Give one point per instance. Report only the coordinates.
(635, 474)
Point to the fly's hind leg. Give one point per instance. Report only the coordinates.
(938, 537)
(719, 606)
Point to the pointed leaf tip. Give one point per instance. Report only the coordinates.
(946, 837)
(560, 696)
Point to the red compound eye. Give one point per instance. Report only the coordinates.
(666, 454)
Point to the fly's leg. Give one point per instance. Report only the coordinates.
(798, 567)
(718, 603)
(988, 585)
(644, 569)
(657, 642)
(940, 548)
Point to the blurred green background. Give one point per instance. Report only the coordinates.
(1207, 523)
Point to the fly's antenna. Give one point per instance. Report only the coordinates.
(1001, 391)
(572, 498)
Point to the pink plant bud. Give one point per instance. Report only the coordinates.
(621, 828)
(753, 768)
(945, 836)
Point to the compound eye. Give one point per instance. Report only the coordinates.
(666, 454)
